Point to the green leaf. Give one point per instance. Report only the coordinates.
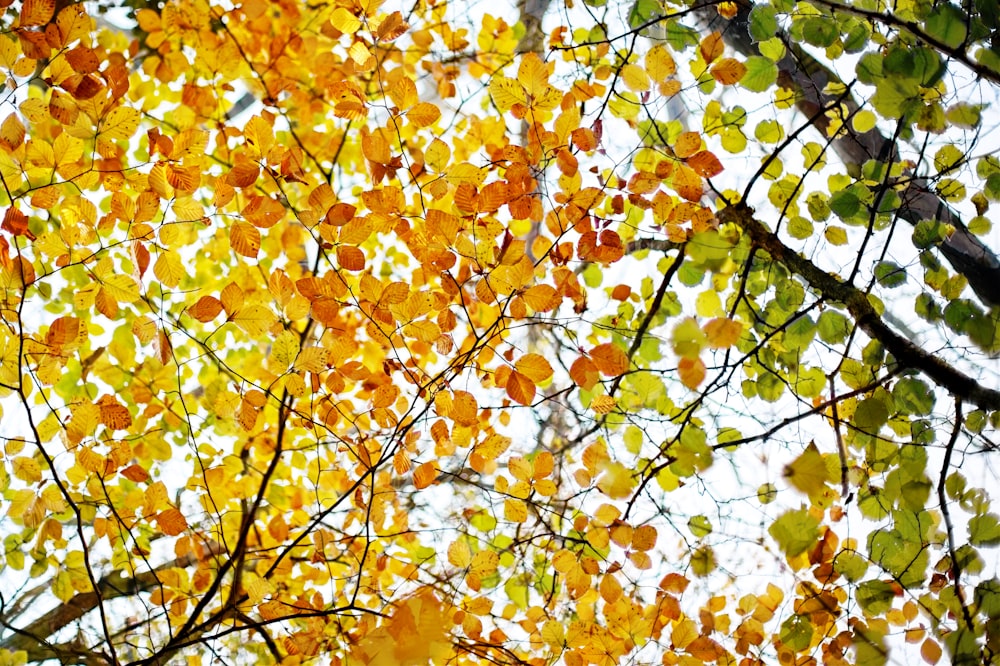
(795, 532)
(948, 24)
(700, 526)
(875, 596)
(763, 22)
(913, 396)
(851, 565)
(984, 530)
(761, 74)
(870, 415)
(928, 233)
(833, 327)
(890, 274)
(796, 632)
(820, 31)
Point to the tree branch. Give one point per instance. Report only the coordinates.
(905, 352)
(34, 638)
(799, 71)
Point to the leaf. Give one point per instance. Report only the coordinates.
(609, 359)
(520, 388)
(728, 71)
(711, 47)
(535, 367)
(37, 12)
(169, 270)
(808, 473)
(795, 532)
(761, 73)
(255, 320)
(171, 522)
(424, 114)
(244, 238)
(206, 309)
(722, 332)
(120, 124)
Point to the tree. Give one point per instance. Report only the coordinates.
(596, 333)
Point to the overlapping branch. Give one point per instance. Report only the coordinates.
(812, 82)
(906, 353)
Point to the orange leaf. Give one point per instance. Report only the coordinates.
(584, 139)
(644, 538)
(609, 359)
(705, 164)
(722, 332)
(37, 12)
(206, 309)
(135, 473)
(691, 372)
(244, 238)
(687, 144)
(263, 212)
(585, 373)
(350, 258)
(602, 404)
(728, 71)
(171, 522)
(711, 47)
(520, 388)
(687, 183)
(63, 330)
(424, 475)
(930, 651)
(542, 298)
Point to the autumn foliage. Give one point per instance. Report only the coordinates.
(583, 332)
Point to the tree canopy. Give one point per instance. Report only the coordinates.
(576, 331)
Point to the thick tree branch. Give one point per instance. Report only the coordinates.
(833, 289)
(801, 72)
(34, 638)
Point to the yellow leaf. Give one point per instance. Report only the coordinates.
(168, 269)
(506, 93)
(684, 633)
(635, 78)
(617, 481)
(254, 319)
(484, 563)
(362, 57)
(311, 359)
(120, 124)
(533, 74)
(424, 114)
(259, 137)
(610, 588)
(345, 21)
(808, 473)
(515, 510)
(284, 349)
(459, 554)
(27, 469)
(535, 367)
(520, 468)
